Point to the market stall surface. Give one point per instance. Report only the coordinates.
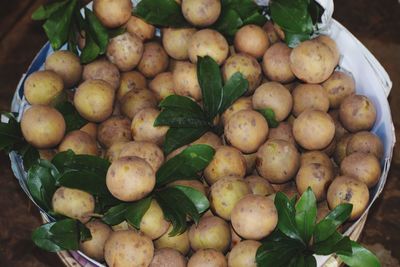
(375, 23)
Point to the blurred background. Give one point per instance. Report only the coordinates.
(375, 23)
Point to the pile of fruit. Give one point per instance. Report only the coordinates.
(169, 150)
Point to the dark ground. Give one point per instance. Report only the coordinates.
(375, 23)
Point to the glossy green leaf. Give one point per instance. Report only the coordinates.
(229, 22)
(185, 165)
(136, 211)
(292, 15)
(210, 80)
(198, 198)
(176, 117)
(286, 217)
(360, 257)
(327, 226)
(336, 243)
(84, 232)
(91, 50)
(278, 253)
(269, 115)
(58, 24)
(176, 207)
(45, 11)
(234, 88)
(116, 214)
(183, 103)
(96, 30)
(57, 236)
(41, 183)
(306, 215)
(178, 137)
(29, 154)
(294, 39)
(73, 120)
(166, 13)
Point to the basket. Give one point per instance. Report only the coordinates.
(371, 80)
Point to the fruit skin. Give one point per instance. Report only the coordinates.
(112, 13)
(73, 203)
(244, 254)
(80, 142)
(102, 69)
(254, 217)
(225, 193)
(345, 189)
(207, 258)
(94, 247)
(357, 113)
(115, 129)
(67, 65)
(43, 126)
(211, 232)
(246, 130)
(168, 257)
(94, 100)
(178, 242)
(176, 42)
(317, 177)
(251, 39)
(276, 63)
(43, 87)
(130, 178)
(140, 28)
(277, 161)
(124, 246)
(201, 12)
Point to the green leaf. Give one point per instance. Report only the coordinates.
(41, 183)
(234, 88)
(292, 15)
(115, 32)
(10, 133)
(181, 102)
(29, 154)
(166, 13)
(185, 165)
(84, 232)
(278, 250)
(96, 31)
(360, 257)
(58, 24)
(210, 80)
(310, 261)
(116, 214)
(84, 172)
(198, 198)
(176, 207)
(236, 13)
(286, 217)
(336, 243)
(136, 211)
(294, 39)
(306, 215)
(57, 236)
(45, 11)
(91, 50)
(73, 119)
(269, 115)
(178, 137)
(327, 226)
(175, 117)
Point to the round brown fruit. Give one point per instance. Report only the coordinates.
(283, 131)
(345, 189)
(259, 185)
(153, 223)
(148, 151)
(276, 63)
(67, 65)
(94, 247)
(251, 39)
(254, 217)
(339, 86)
(225, 193)
(130, 81)
(176, 42)
(244, 254)
(277, 161)
(94, 100)
(207, 258)
(115, 129)
(316, 124)
(201, 13)
(162, 85)
(154, 60)
(130, 178)
(168, 257)
(143, 128)
(112, 13)
(136, 100)
(102, 69)
(123, 246)
(42, 126)
(275, 96)
(43, 87)
(365, 167)
(211, 232)
(357, 113)
(210, 43)
(243, 103)
(79, 142)
(227, 161)
(140, 28)
(185, 80)
(179, 242)
(309, 96)
(317, 177)
(365, 142)
(246, 130)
